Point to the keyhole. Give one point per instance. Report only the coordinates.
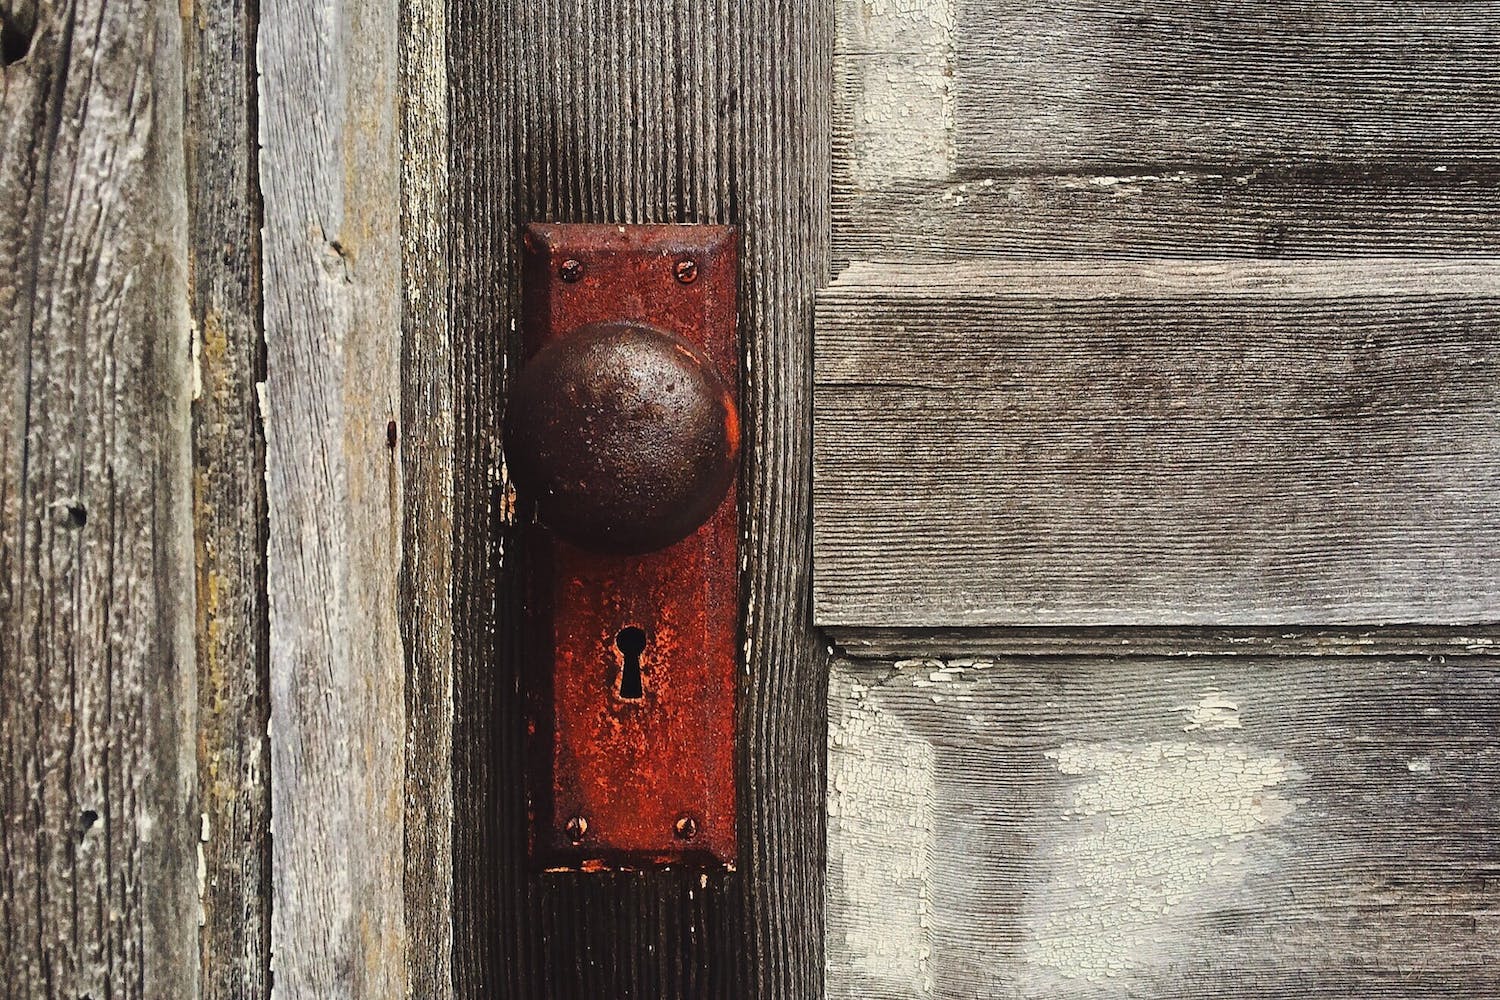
(631, 642)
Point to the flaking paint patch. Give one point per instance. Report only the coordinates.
(897, 60)
(1150, 833)
(1214, 712)
(880, 818)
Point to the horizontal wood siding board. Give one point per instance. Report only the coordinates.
(1211, 443)
(1204, 828)
(1236, 211)
(1163, 129)
(1090, 82)
(1388, 641)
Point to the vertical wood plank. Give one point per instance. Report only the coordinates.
(332, 257)
(229, 508)
(426, 444)
(641, 111)
(98, 829)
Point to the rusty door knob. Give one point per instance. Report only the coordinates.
(622, 436)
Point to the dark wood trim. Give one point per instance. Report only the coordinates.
(229, 502)
(425, 441)
(651, 111)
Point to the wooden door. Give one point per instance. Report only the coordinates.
(1157, 501)
(1141, 479)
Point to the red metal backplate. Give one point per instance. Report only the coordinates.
(633, 782)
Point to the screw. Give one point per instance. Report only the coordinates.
(687, 271)
(686, 828)
(577, 827)
(571, 269)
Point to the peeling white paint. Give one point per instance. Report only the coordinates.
(899, 57)
(196, 334)
(880, 810)
(1214, 712)
(1148, 832)
(203, 836)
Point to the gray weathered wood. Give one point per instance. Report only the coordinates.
(426, 448)
(1222, 211)
(1161, 81)
(329, 172)
(1213, 827)
(1431, 641)
(228, 499)
(98, 824)
(932, 87)
(1246, 811)
(647, 111)
(1169, 443)
(1164, 129)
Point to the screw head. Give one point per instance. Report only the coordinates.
(577, 827)
(686, 828)
(686, 271)
(571, 270)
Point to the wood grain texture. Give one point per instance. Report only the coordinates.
(1221, 211)
(1389, 641)
(934, 86)
(1044, 85)
(98, 824)
(425, 440)
(229, 504)
(1163, 130)
(1194, 828)
(1158, 443)
(330, 172)
(641, 111)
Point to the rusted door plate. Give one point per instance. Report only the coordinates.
(632, 693)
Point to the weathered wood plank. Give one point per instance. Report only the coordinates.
(98, 824)
(1166, 129)
(1202, 828)
(426, 448)
(935, 89)
(1044, 85)
(330, 159)
(1391, 641)
(641, 112)
(1220, 211)
(1159, 443)
(229, 499)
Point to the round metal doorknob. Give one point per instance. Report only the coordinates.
(623, 437)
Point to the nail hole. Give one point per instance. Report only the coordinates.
(15, 41)
(78, 515)
(631, 642)
(87, 819)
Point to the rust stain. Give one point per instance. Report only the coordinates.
(635, 765)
